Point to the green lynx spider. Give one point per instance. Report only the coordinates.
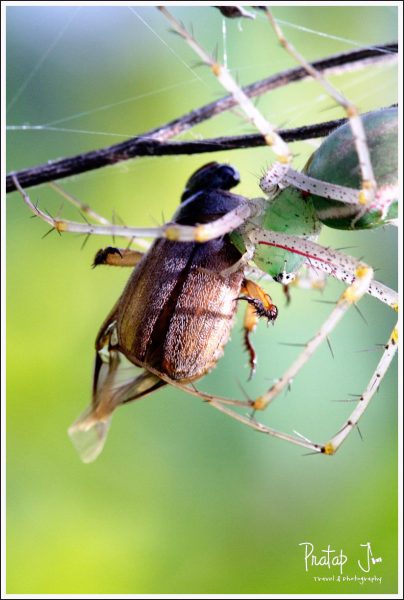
(248, 226)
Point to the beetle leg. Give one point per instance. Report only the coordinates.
(259, 299)
(117, 257)
(250, 323)
(286, 293)
(88, 433)
(259, 305)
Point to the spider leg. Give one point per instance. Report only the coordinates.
(171, 231)
(367, 193)
(87, 210)
(309, 278)
(329, 261)
(273, 180)
(190, 388)
(350, 296)
(299, 441)
(358, 275)
(273, 140)
(82, 206)
(280, 172)
(335, 442)
(389, 351)
(301, 181)
(220, 404)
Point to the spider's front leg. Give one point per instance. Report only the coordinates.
(365, 200)
(368, 181)
(173, 231)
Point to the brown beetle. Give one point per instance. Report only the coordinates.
(176, 312)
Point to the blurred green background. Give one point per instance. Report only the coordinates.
(183, 499)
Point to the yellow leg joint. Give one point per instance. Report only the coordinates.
(368, 184)
(328, 449)
(216, 69)
(60, 226)
(260, 403)
(172, 234)
(363, 198)
(352, 111)
(201, 234)
(350, 295)
(361, 271)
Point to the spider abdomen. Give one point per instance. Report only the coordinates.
(336, 162)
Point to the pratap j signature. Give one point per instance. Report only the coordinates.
(332, 558)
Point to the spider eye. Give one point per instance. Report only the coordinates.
(284, 277)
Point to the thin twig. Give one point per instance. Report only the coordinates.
(152, 143)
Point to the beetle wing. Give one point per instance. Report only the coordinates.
(88, 433)
(149, 299)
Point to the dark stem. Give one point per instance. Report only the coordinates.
(153, 143)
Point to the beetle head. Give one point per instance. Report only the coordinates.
(212, 176)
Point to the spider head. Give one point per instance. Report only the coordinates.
(284, 278)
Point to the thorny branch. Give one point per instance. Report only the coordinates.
(153, 142)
